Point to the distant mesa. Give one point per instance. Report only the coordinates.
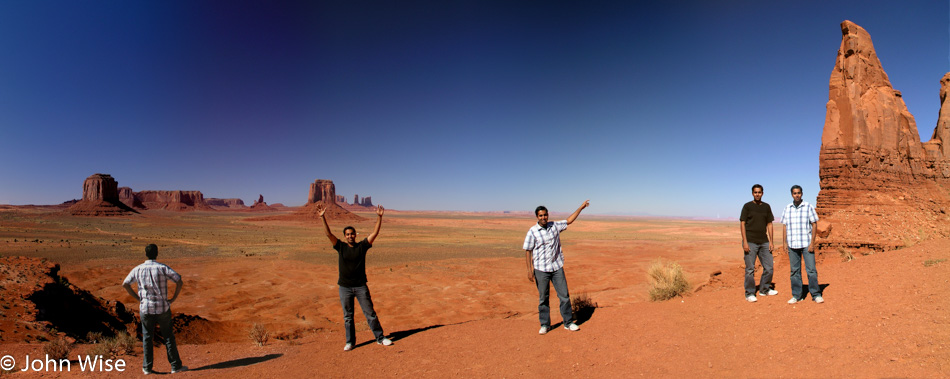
(881, 188)
(173, 200)
(100, 197)
(231, 203)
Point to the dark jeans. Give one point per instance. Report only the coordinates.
(556, 278)
(164, 322)
(795, 257)
(760, 250)
(366, 303)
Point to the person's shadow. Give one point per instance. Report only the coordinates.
(396, 336)
(240, 362)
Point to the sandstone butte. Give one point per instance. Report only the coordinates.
(260, 205)
(881, 187)
(100, 197)
(230, 203)
(173, 200)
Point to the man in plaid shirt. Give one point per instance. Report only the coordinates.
(545, 260)
(155, 306)
(800, 221)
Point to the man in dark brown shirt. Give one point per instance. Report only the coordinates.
(755, 223)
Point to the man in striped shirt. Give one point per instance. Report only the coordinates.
(545, 261)
(155, 306)
(800, 221)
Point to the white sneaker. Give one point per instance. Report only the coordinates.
(385, 342)
(751, 298)
(794, 300)
(348, 347)
(770, 293)
(544, 330)
(819, 299)
(180, 369)
(572, 327)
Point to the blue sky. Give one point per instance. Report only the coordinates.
(660, 108)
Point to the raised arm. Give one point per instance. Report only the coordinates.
(326, 226)
(379, 222)
(578, 212)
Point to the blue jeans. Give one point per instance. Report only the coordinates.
(760, 250)
(366, 303)
(164, 322)
(557, 278)
(795, 257)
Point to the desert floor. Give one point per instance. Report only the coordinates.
(452, 290)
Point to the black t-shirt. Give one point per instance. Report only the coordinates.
(756, 217)
(352, 263)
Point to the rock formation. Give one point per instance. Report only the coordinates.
(226, 203)
(881, 188)
(340, 199)
(322, 195)
(173, 200)
(367, 201)
(39, 304)
(356, 199)
(127, 197)
(260, 205)
(100, 197)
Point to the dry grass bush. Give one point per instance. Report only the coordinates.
(58, 348)
(583, 307)
(259, 334)
(845, 254)
(667, 280)
(122, 344)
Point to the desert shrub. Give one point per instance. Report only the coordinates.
(933, 262)
(259, 334)
(58, 348)
(93, 337)
(583, 307)
(122, 344)
(845, 254)
(667, 280)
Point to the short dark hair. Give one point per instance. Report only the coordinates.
(539, 209)
(759, 186)
(349, 227)
(151, 251)
(797, 186)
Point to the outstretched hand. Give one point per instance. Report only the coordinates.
(380, 210)
(586, 204)
(322, 211)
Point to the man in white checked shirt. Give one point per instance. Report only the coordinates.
(155, 306)
(545, 261)
(800, 220)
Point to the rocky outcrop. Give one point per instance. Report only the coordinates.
(225, 203)
(340, 199)
(367, 201)
(39, 305)
(260, 205)
(100, 197)
(127, 197)
(173, 200)
(881, 188)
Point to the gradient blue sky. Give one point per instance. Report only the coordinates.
(660, 108)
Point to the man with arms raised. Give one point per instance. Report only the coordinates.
(545, 260)
(353, 280)
(800, 221)
(755, 224)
